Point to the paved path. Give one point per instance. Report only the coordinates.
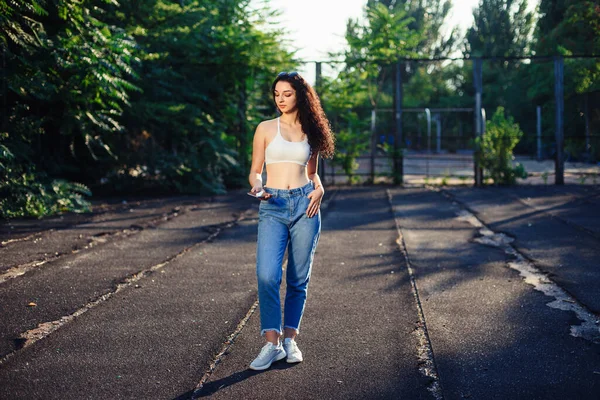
(492, 335)
(416, 293)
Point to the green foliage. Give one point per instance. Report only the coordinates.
(351, 143)
(23, 192)
(148, 96)
(427, 19)
(72, 76)
(495, 149)
(32, 195)
(574, 31)
(205, 73)
(501, 28)
(430, 84)
(375, 45)
(66, 89)
(163, 96)
(567, 28)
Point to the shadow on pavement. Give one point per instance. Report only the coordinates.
(212, 387)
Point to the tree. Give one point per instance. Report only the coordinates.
(63, 90)
(428, 18)
(377, 44)
(501, 28)
(150, 95)
(571, 28)
(203, 63)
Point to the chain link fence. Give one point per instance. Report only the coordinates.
(413, 139)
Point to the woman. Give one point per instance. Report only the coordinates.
(289, 215)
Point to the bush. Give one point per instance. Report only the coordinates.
(25, 193)
(495, 149)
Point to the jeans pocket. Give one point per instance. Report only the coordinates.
(270, 204)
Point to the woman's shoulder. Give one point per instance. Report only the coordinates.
(268, 122)
(266, 125)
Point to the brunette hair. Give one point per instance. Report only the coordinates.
(310, 112)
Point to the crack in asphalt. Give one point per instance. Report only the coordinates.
(427, 366)
(93, 241)
(558, 217)
(44, 329)
(228, 343)
(590, 326)
(225, 347)
(26, 238)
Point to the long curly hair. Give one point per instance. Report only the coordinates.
(313, 120)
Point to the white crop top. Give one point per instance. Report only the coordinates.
(281, 150)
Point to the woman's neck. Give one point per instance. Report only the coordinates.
(290, 118)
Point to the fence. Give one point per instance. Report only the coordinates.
(439, 140)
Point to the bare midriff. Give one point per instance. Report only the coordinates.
(286, 175)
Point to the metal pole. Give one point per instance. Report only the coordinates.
(438, 123)
(418, 146)
(539, 133)
(586, 113)
(373, 143)
(318, 76)
(478, 82)
(428, 115)
(398, 156)
(559, 162)
(483, 119)
(4, 95)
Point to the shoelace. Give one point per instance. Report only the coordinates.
(292, 345)
(265, 350)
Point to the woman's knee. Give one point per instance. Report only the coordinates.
(267, 280)
(297, 284)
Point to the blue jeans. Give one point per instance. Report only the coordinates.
(283, 223)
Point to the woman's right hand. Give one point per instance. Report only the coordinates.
(259, 188)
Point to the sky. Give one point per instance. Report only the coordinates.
(316, 34)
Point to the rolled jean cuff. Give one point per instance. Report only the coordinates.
(292, 327)
(262, 333)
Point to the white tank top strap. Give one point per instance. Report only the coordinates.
(278, 128)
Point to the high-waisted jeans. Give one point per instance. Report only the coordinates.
(283, 223)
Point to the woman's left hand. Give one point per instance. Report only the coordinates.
(315, 201)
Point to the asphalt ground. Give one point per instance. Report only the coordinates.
(406, 300)
(35, 241)
(559, 229)
(357, 333)
(77, 279)
(492, 335)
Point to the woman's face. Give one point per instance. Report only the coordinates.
(285, 96)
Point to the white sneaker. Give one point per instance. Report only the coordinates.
(268, 354)
(294, 355)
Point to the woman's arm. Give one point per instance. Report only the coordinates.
(311, 169)
(317, 195)
(258, 159)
